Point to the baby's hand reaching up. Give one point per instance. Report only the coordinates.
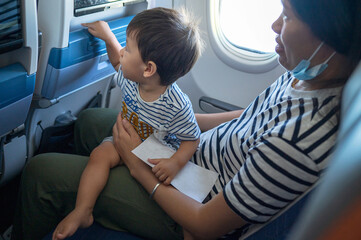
(99, 29)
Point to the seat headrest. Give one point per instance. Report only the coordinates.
(351, 102)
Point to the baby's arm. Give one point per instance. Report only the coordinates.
(101, 29)
(166, 169)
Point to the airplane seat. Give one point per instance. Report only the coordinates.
(18, 63)
(71, 58)
(334, 210)
(73, 67)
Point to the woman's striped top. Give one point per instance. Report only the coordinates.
(274, 151)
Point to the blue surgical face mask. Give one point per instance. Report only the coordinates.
(302, 70)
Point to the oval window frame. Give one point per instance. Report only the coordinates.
(239, 59)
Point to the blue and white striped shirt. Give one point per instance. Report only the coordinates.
(170, 117)
(274, 151)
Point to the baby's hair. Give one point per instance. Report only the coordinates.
(169, 38)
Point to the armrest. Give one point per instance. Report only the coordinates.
(211, 105)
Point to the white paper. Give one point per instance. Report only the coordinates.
(193, 180)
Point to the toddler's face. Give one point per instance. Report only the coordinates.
(131, 62)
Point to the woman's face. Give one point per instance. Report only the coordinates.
(295, 40)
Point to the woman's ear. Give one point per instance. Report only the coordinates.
(150, 69)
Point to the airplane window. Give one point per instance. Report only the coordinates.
(240, 33)
(244, 23)
(10, 26)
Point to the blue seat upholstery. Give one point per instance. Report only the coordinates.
(82, 62)
(16, 90)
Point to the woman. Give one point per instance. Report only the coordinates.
(266, 156)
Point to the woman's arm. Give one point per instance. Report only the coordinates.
(210, 220)
(208, 121)
(204, 221)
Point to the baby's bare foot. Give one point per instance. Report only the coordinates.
(68, 226)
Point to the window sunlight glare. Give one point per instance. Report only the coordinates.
(247, 23)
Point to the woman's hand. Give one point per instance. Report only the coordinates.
(125, 139)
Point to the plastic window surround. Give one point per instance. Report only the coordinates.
(232, 56)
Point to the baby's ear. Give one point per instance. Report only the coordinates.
(150, 69)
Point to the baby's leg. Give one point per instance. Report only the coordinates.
(92, 182)
(75, 219)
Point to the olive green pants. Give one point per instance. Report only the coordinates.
(50, 182)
